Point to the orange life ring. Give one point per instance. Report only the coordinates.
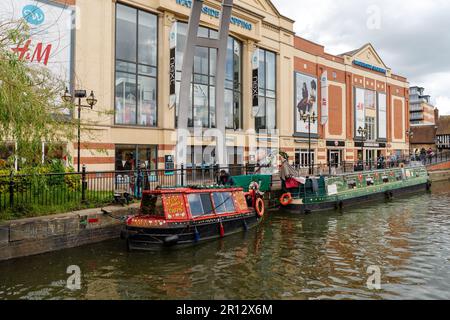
(286, 199)
(259, 206)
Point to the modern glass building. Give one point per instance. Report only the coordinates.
(122, 50)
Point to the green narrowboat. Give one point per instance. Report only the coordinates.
(334, 192)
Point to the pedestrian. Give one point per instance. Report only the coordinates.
(225, 179)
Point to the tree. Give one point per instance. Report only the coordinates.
(31, 111)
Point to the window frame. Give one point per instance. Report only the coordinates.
(231, 198)
(137, 148)
(212, 34)
(265, 96)
(137, 74)
(200, 195)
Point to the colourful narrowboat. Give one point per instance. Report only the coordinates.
(336, 192)
(184, 216)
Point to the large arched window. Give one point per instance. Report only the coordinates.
(203, 107)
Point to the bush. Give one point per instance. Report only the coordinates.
(73, 181)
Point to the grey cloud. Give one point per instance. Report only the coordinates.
(414, 38)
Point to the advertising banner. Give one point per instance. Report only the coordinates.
(360, 112)
(305, 102)
(324, 94)
(382, 118)
(172, 65)
(255, 83)
(50, 41)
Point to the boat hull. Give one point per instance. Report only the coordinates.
(187, 233)
(369, 197)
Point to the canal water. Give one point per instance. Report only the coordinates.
(319, 256)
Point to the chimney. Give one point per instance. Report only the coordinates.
(436, 116)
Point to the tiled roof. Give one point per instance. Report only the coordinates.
(423, 134)
(443, 125)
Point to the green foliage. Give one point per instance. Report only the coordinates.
(29, 109)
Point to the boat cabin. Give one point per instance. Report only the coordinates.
(160, 207)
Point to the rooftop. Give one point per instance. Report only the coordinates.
(443, 125)
(424, 134)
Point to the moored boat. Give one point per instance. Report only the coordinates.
(334, 192)
(182, 216)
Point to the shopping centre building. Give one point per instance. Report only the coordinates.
(122, 51)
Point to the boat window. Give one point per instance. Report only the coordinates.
(370, 181)
(223, 202)
(200, 204)
(152, 205)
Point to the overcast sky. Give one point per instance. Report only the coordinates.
(411, 36)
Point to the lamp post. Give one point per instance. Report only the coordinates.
(410, 135)
(363, 134)
(91, 101)
(309, 118)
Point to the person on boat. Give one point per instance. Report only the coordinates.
(287, 174)
(225, 179)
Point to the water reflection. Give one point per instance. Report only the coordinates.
(319, 256)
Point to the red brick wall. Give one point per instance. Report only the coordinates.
(441, 166)
(335, 112)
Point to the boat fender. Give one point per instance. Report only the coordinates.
(171, 240)
(245, 225)
(341, 205)
(286, 199)
(387, 195)
(428, 185)
(196, 235)
(391, 194)
(221, 230)
(259, 206)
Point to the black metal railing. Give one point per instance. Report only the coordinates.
(70, 191)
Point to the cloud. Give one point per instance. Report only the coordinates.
(411, 37)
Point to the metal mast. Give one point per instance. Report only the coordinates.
(220, 44)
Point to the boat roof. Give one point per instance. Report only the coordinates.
(193, 189)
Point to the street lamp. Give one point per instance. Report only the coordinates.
(410, 135)
(309, 118)
(363, 134)
(91, 102)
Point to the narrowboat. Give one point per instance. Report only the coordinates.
(185, 216)
(335, 192)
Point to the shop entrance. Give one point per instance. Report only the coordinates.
(334, 157)
(370, 157)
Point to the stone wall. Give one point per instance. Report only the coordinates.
(20, 238)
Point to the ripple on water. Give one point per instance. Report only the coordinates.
(319, 256)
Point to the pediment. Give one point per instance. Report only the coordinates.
(369, 55)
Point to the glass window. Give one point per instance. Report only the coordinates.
(203, 91)
(147, 41)
(223, 202)
(53, 152)
(136, 67)
(370, 126)
(128, 157)
(126, 33)
(265, 119)
(200, 204)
